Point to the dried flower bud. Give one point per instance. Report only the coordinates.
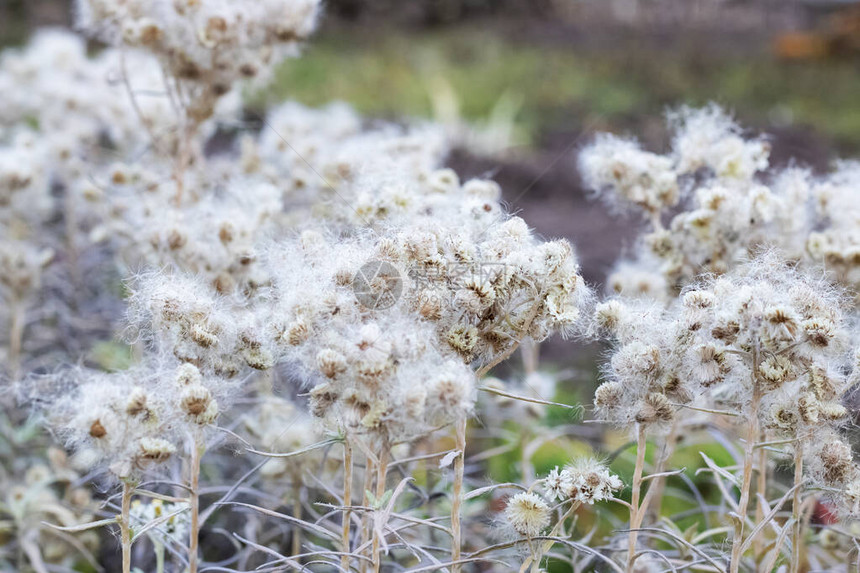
(463, 339)
(297, 332)
(331, 362)
(807, 407)
(774, 371)
(819, 332)
(726, 332)
(699, 299)
(322, 397)
(823, 385)
(608, 396)
(258, 358)
(837, 461)
(197, 402)
(188, 375)
(655, 408)
(202, 336)
(608, 315)
(429, 304)
(156, 449)
(528, 514)
(782, 324)
(832, 411)
(783, 417)
(137, 403)
(97, 430)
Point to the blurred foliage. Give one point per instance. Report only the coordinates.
(111, 355)
(393, 73)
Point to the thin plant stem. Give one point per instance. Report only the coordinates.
(749, 451)
(761, 488)
(297, 513)
(534, 560)
(513, 347)
(634, 498)
(796, 509)
(125, 526)
(654, 498)
(16, 337)
(347, 502)
(194, 502)
(369, 469)
(381, 474)
(159, 556)
(457, 493)
(144, 121)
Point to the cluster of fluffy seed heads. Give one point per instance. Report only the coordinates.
(212, 234)
(586, 481)
(835, 242)
(765, 325)
(473, 288)
(67, 120)
(828, 454)
(210, 44)
(111, 421)
(79, 101)
(378, 371)
(767, 328)
(765, 333)
(705, 139)
(134, 420)
(187, 318)
(637, 178)
(708, 138)
(391, 324)
(729, 207)
(644, 382)
(345, 171)
(486, 294)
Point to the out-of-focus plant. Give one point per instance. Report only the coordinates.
(312, 307)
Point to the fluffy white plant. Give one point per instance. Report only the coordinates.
(764, 342)
(208, 45)
(458, 296)
(728, 208)
(835, 243)
(134, 420)
(346, 256)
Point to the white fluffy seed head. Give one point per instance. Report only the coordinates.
(528, 514)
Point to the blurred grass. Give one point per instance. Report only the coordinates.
(393, 73)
